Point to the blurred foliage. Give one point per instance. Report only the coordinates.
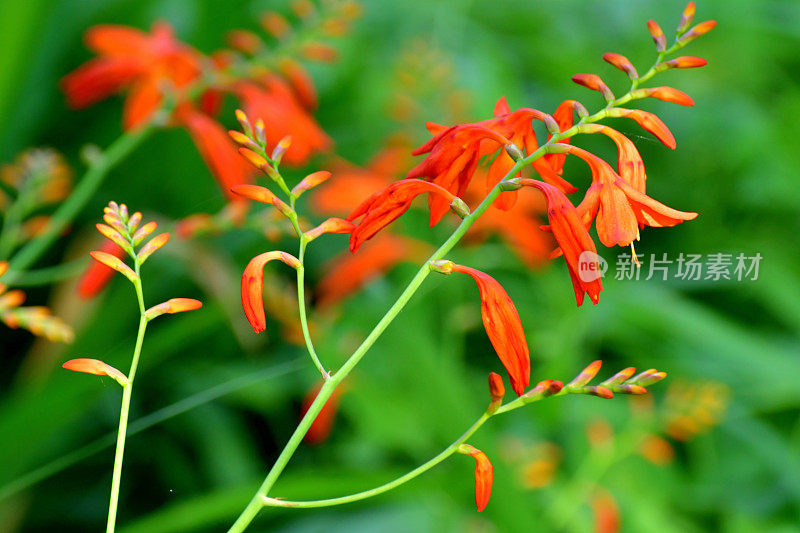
(425, 380)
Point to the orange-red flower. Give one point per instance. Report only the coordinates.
(274, 102)
(619, 208)
(503, 326)
(484, 475)
(452, 160)
(253, 286)
(217, 150)
(387, 205)
(96, 367)
(574, 240)
(131, 58)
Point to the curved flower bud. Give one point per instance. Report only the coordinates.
(648, 121)
(311, 181)
(253, 289)
(595, 83)
(96, 367)
(387, 205)
(332, 225)
(503, 326)
(172, 306)
(697, 31)
(574, 240)
(97, 276)
(115, 263)
(484, 475)
(686, 18)
(658, 35)
(152, 246)
(143, 232)
(115, 236)
(263, 195)
(622, 63)
(586, 375)
(685, 62)
(667, 94)
(496, 388)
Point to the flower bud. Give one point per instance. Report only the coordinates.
(244, 122)
(154, 244)
(442, 266)
(586, 375)
(658, 35)
(280, 149)
(256, 160)
(496, 387)
(620, 377)
(96, 367)
(513, 151)
(260, 132)
(243, 140)
(686, 19)
(332, 225)
(697, 31)
(275, 24)
(143, 232)
(311, 181)
(115, 263)
(113, 235)
(459, 207)
(172, 306)
(244, 41)
(622, 63)
(263, 195)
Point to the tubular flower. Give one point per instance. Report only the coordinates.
(630, 166)
(274, 102)
(484, 475)
(253, 286)
(574, 240)
(217, 150)
(503, 326)
(131, 58)
(387, 205)
(619, 207)
(453, 157)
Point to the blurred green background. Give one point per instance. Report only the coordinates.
(731, 348)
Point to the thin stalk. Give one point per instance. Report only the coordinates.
(76, 201)
(126, 402)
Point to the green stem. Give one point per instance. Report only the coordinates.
(126, 402)
(301, 303)
(80, 196)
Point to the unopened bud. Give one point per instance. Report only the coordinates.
(280, 149)
(113, 235)
(512, 184)
(310, 181)
(600, 391)
(143, 232)
(658, 35)
(558, 148)
(243, 140)
(620, 377)
(174, 305)
(496, 387)
(580, 110)
(586, 375)
(134, 221)
(622, 63)
(648, 377)
(332, 225)
(686, 19)
(459, 207)
(154, 244)
(256, 160)
(260, 132)
(96, 367)
(697, 31)
(442, 266)
(244, 122)
(114, 263)
(551, 124)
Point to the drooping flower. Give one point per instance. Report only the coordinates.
(648, 121)
(387, 205)
(618, 208)
(217, 150)
(132, 59)
(503, 326)
(574, 241)
(253, 286)
(273, 101)
(484, 475)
